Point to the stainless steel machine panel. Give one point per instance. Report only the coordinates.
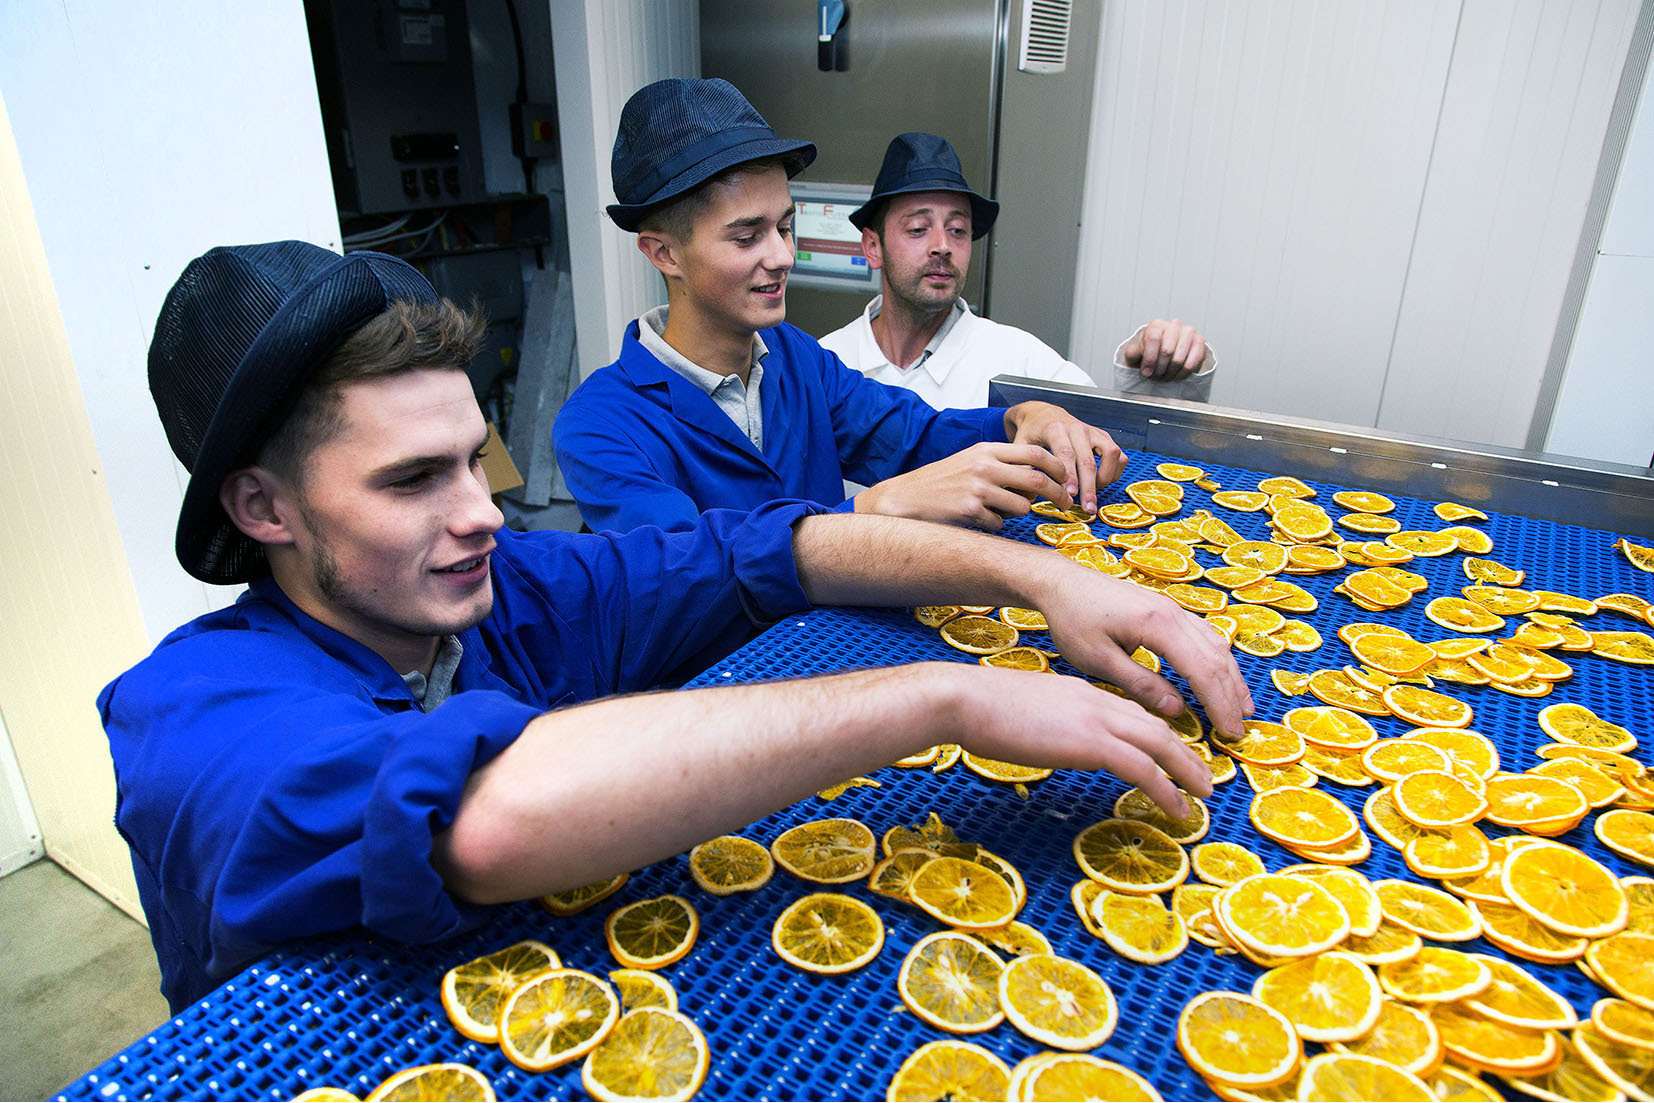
(928, 65)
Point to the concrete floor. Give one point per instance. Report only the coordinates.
(78, 981)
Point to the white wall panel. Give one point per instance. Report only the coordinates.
(1521, 131)
(1605, 410)
(1629, 230)
(148, 134)
(605, 50)
(1256, 169)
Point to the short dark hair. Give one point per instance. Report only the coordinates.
(676, 217)
(407, 336)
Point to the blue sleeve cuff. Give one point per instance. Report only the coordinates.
(846, 506)
(765, 567)
(993, 425)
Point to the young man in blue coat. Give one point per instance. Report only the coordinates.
(715, 402)
(413, 712)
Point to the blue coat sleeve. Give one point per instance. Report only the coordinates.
(650, 606)
(264, 806)
(613, 481)
(884, 431)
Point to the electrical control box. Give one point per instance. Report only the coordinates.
(398, 103)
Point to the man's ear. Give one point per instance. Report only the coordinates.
(258, 503)
(872, 248)
(661, 251)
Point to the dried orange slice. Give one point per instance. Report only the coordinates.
(1426, 707)
(1382, 816)
(1134, 804)
(1281, 915)
(641, 988)
(1082, 896)
(1345, 1076)
(1351, 890)
(1531, 800)
(1130, 856)
(1515, 998)
(1471, 540)
(1334, 687)
(1393, 759)
(1059, 533)
(1363, 501)
(1018, 658)
(327, 1094)
(1488, 1044)
(1015, 939)
(1491, 570)
(1422, 542)
(1389, 943)
(1237, 1040)
(951, 981)
(1436, 975)
(1371, 588)
(1224, 863)
(1008, 772)
(1302, 523)
(1461, 851)
(829, 852)
(828, 933)
(1403, 1036)
(1244, 501)
(1264, 743)
(1259, 554)
(1435, 799)
(923, 758)
(1567, 891)
(1463, 747)
(1139, 928)
(472, 993)
(963, 894)
(1234, 578)
(1503, 600)
(1264, 778)
(1058, 1002)
(1632, 605)
(1082, 1076)
(1462, 615)
(1052, 509)
(576, 900)
(1571, 723)
(978, 635)
(1627, 833)
(1427, 911)
(1357, 850)
(949, 1069)
(449, 1080)
(1391, 654)
(1332, 997)
(1304, 817)
(1639, 556)
(1629, 1069)
(1624, 1022)
(1331, 727)
(1312, 557)
(652, 1053)
(1343, 767)
(556, 1017)
(1516, 932)
(1599, 787)
(730, 864)
(1453, 511)
(1289, 485)
(653, 933)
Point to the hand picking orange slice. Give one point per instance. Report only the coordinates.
(964, 894)
(1280, 915)
(576, 900)
(1427, 911)
(828, 933)
(1426, 707)
(472, 993)
(652, 1053)
(445, 1081)
(654, 933)
(555, 1018)
(951, 981)
(1238, 1040)
(1332, 997)
(830, 852)
(641, 988)
(949, 1069)
(1134, 804)
(1139, 928)
(1565, 890)
(1130, 856)
(1436, 975)
(1298, 816)
(730, 864)
(1058, 1002)
(1339, 1076)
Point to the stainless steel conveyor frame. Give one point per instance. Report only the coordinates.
(1535, 484)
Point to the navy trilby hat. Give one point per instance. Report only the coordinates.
(239, 334)
(676, 134)
(915, 162)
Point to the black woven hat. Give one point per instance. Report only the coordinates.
(676, 134)
(915, 162)
(238, 335)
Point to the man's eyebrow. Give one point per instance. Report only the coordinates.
(415, 463)
(753, 220)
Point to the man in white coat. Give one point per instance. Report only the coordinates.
(917, 229)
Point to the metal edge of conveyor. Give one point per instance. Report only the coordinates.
(1535, 484)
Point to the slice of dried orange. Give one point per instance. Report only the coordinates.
(1627, 833)
(1404, 1036)
(1426, 707)
(1304, 817)
(828, 933)
(472, 993)
(1436, 799)
(1332, 997)
(1139, 928)
(730, 864)
(1427, 911)
(653, 933)
(949, 1069)
(1516, 998)
(556, 1017)
(652, 1053)
(1264, 743)
(978, 635)
(1238, 1040)
(951, 981)
(1567, 891)
(1057, 1001)
(1462, 615)
(1130, 856)
(1224, 863)
(1436, 975)
(830, 852)
(1280, 915)
(963, 894)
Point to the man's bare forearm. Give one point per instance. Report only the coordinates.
(846, 559)
(612, 786)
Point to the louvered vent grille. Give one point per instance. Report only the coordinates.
(1045, 26)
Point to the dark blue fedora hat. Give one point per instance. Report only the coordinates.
(915, 162)
(676, 134)
(239, 334)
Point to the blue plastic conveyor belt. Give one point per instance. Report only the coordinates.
(349, 1012)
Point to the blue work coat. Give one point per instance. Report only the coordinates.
(641, 445)
(275, 779)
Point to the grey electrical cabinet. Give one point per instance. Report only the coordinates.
(398, 103)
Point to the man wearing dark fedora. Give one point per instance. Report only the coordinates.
(716, 402)
(917, 228)
(400, 720)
